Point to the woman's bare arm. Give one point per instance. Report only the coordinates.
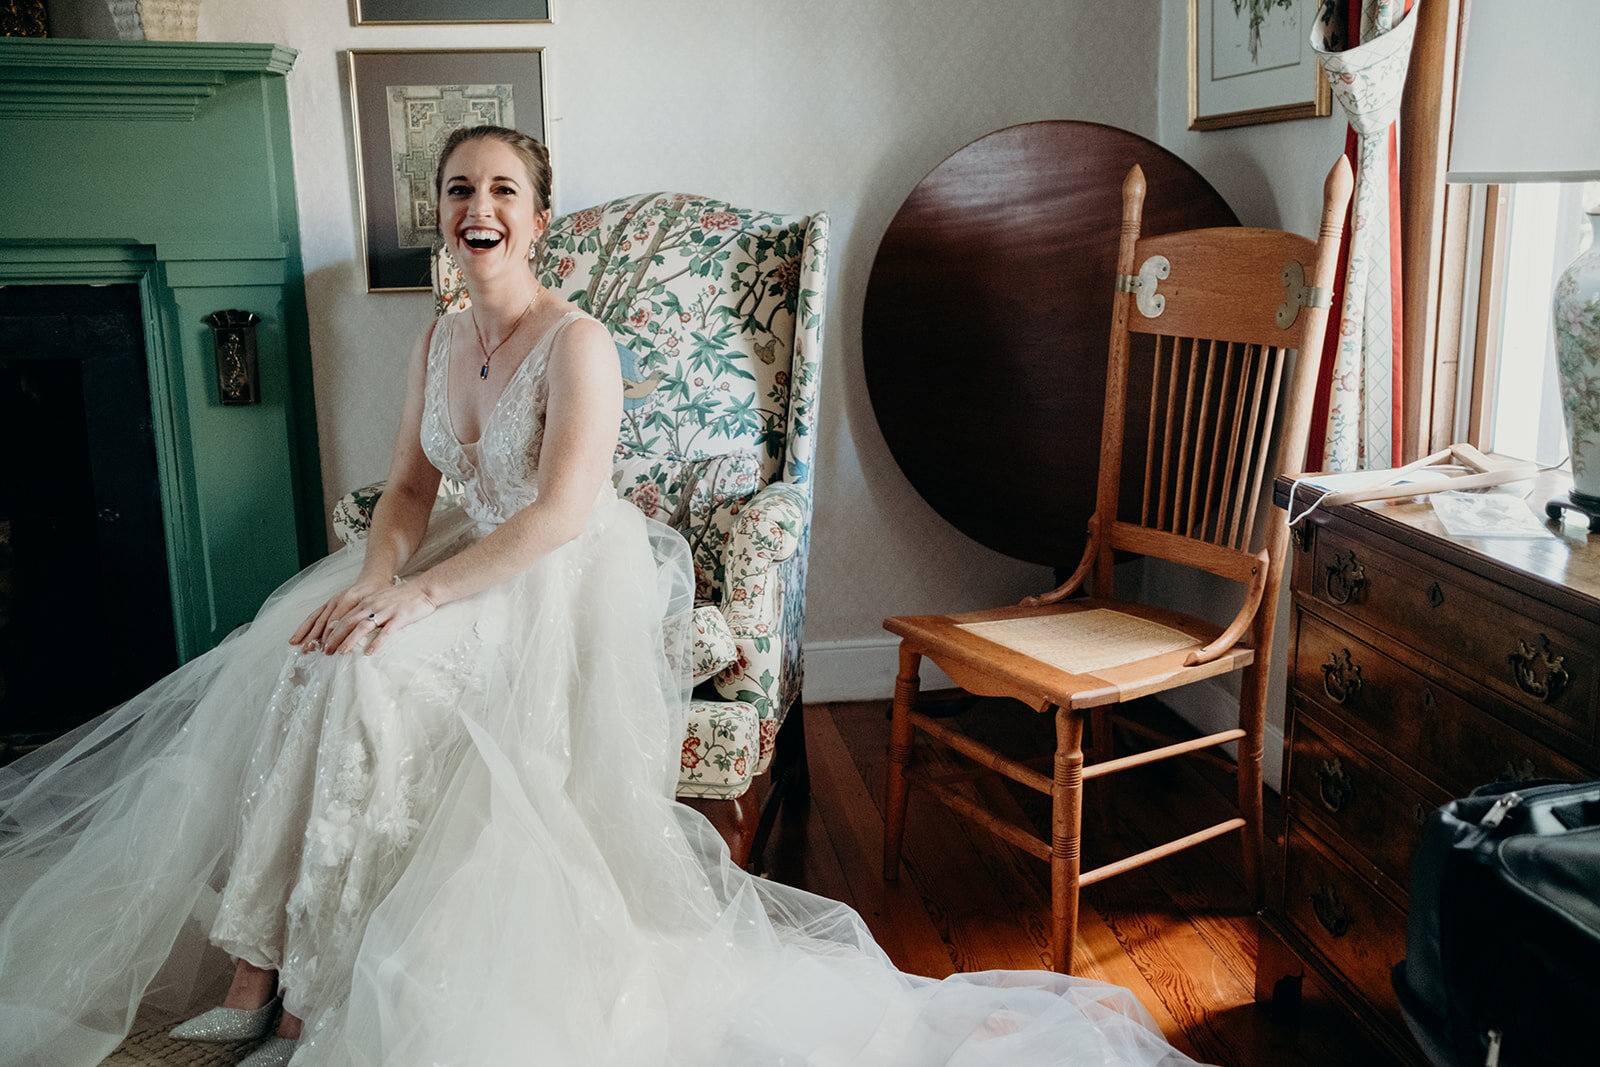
(400, 520)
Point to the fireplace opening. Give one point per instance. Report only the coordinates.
(85, 601)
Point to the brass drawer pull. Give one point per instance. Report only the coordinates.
(1419, 814)
(1346, 578)
(1435, 595)
(1334, 785)
(1330, 910)
(1537, 670)
(1341, 679)
(1430, 703)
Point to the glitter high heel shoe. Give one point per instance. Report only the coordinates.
(229, 1024)
(273, 1052)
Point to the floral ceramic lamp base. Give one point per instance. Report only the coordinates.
(1577, 323)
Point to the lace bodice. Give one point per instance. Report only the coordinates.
(500, 470)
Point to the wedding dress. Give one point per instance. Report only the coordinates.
(464, 849)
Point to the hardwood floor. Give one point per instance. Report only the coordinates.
(1180, 933)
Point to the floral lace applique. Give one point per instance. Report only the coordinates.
(500, 471)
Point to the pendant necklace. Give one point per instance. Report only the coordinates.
(488, 354)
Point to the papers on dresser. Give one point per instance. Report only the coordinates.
(1487, 515)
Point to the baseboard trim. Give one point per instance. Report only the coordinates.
(860, 670)
(865, 670)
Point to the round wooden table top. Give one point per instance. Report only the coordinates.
(988, 320)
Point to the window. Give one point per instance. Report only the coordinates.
(1530, 233)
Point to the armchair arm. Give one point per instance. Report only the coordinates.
(765, 563)
(767, 532)
(352, 515)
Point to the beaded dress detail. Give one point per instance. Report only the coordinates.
(500, 470)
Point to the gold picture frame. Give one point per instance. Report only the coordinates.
(403, 104)
(1250, 61)
(434, 13)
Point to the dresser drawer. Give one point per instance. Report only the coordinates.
(1354, 927)
(1339, 790)
(1424, 725)
(1529, 656)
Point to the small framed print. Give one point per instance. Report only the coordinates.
(403, 105)
(423, 12)
(1250, 61)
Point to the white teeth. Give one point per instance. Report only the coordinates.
(478, 237)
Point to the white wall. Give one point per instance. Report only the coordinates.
(835, 105)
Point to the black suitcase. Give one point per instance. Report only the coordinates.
(1502, 962)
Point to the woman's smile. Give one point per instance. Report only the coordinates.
(487, 207)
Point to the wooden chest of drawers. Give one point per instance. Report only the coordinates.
(1420, 667)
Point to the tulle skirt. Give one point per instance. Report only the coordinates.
(464, 849)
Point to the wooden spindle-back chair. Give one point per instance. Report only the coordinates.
(1205, 331)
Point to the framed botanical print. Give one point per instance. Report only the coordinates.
(1250, 61)
(403, 104)
(418, 12)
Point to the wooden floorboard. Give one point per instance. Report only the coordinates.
(1181, 934)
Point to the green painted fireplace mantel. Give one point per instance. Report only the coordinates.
(167, 164)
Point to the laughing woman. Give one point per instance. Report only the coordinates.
(438, 826)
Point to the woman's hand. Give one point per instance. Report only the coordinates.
(364, 609)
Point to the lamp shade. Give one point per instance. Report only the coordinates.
(1528, 103)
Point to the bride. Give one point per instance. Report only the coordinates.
(438, 826)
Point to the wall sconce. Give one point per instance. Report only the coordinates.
(238, 381)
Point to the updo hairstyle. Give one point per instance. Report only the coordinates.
(534, 155)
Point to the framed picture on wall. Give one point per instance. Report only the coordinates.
(1250, 61)
(418, 12)
(403, 104)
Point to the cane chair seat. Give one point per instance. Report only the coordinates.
(1082, 654)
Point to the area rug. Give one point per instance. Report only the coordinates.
(151, 1047)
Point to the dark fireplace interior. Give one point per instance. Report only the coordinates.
(85, 604)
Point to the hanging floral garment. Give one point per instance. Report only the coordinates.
(1360, 393)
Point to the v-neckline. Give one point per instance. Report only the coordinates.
(483, 428)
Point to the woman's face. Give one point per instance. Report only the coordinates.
(488, 210)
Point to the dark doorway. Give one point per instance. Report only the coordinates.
(85, 604)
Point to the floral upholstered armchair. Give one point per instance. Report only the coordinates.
(716, 312)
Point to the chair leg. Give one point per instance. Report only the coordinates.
(900, 730)
(1066, 828)
(1252, 720)
(789, 781)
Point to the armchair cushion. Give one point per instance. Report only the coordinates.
(719, 749)
(697, 497)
